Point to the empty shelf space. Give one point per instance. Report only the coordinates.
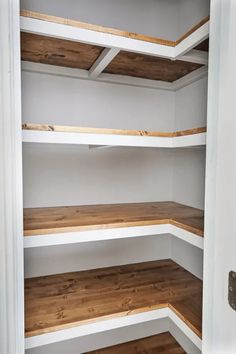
(45, 133)
(72, 300)
(162, 343)
(77, 224)
(69, 43)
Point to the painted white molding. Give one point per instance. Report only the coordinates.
(196, 56)
(51, 137)
(102, 62)
(101, 39)
(185, 329)
(115, 79)
(193, 40)
(11, 209)
(109, 324)
(112, 234)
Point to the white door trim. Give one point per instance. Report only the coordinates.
(11, 228)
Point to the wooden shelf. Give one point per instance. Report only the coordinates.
(77, 224)
(45, 133)
(162, 343)
(64, 301)
(64, 42)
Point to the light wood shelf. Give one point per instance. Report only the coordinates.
(162, 343)
(52, 220)
(63, 301)
(46, 133)
(127, 54)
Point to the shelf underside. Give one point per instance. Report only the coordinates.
(68, 300)
(52, 220)
(80, 54)
(60, 52)
(162, 343)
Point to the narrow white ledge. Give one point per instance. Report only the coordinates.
(51, 137)
(112, 234)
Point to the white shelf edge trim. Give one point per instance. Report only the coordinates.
(112, 234)
(109, 324)
(108, 40)
(50, 137)
(185, 329)
(114, 79)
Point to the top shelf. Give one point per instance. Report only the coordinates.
(96, 49)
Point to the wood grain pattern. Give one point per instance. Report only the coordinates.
(91, 130)
(67, 300)
(149, 67)
(55, 51)
(40, 221)
(162, 343)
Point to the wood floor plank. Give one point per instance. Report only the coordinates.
(52, 220)
(66, 300)
(162, 343)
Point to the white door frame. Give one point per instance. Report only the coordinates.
(220, 208)
(11, 221)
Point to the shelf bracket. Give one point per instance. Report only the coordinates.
(102, 62)
(195, 56)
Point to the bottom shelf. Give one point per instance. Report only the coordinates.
(162, 343)
(56, 303)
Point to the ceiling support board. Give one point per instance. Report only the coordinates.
(102, 61)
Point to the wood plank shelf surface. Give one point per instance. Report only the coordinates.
(91, 130)
(52, 220)
(68, 300)
(162, 343)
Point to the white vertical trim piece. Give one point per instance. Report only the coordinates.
(102, 62)
(185, 329)
(11, 209)
(96, 327)
(195, 56)
(192, 40)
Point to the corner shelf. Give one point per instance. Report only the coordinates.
(77, 224)
(96, 49)
(44, 133)
(65, 306)
(160, 344)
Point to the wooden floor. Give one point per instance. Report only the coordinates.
(162, 343)
(66, 300)
(40, 221)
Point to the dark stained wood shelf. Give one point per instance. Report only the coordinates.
(162, 343)
(91, 130)
(68, 53)
(67, 300)
(52, 220)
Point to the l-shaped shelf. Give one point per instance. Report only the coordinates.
(69, 305)
(95, 49)
(76, 224)
(44, 133)
(160, 344)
